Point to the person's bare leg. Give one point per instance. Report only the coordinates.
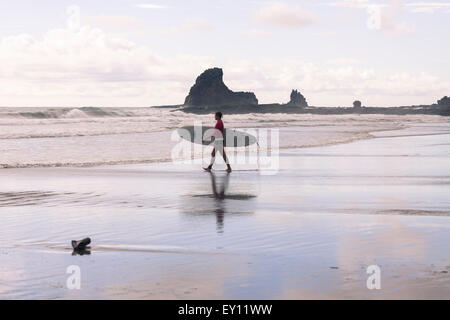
(225, 158)
(213, 159)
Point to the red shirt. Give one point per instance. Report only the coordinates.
(219, 126)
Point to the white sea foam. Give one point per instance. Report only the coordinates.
(33, 137)
(75, 113)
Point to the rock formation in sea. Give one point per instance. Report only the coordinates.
(297, 99)
(209, 90)
(357, 104)
(444, 102)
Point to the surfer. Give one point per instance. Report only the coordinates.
(219, 131)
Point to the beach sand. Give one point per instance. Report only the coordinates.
(309, 231)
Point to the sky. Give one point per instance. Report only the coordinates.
(124, 53)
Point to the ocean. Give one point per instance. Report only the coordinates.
(54, 137)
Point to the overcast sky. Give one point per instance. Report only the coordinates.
(143, 53)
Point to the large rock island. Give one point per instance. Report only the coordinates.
(209, 93)
(209, 90)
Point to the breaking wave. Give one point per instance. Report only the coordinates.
(57, 113)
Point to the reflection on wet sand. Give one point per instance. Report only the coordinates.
(219, 196)
(219, 193)
(220, 189)
(223, 201)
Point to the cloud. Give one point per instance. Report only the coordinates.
(360, 4)
(380, 16)
(120, 24)
(423, 10)
(257, 33)
(192, 25)
(332, 82)
(150, 6)
(375, 9)
(187, 26)
(115, 22)
(389, 21)
(282, 15)
(63, 54)
(427, 7)
(91, 67)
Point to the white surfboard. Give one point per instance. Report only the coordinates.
(232, 138)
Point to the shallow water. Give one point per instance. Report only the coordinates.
(51, 137)
(170, 231)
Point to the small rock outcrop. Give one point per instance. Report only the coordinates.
(297, 100)
(357, 104)
(210, 90)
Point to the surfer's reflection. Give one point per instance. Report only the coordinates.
(219, 196)
(219, 193)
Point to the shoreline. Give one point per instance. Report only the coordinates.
(363, 135)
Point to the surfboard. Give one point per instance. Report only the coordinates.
(232, 138)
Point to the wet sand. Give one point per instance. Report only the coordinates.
(164, 231)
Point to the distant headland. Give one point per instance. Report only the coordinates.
(209, 93)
